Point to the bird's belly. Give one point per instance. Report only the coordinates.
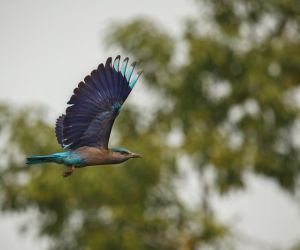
(93, 161)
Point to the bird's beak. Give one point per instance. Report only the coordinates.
(134, 155)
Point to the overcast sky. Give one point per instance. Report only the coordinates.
(47, 47)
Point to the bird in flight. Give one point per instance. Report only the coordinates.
(84, 130)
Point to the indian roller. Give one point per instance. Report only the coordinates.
(84, 130)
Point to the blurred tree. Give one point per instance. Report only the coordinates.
(296, 246)
(227, 89)
(234, 97)
(109, 207)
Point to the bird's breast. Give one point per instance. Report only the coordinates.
(95, 156)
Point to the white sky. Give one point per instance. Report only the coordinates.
(47, 47)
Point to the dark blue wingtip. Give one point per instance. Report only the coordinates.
(126, 73)
(116, 63)
(108, 62)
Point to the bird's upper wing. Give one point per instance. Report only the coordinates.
(59, 129)
(95, 104)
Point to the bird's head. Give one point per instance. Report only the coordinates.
(125, 153)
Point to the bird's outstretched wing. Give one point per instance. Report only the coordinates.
(95, 105)
(59, 129)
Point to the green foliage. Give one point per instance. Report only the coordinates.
(100, 208)
(236, 97)
(233, 102)
(295, 247)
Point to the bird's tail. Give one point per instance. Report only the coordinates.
(31, 160)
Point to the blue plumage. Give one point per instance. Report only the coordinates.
(120, 150)
(68, 158)
(135, 79)
(124, 66)
(103, 92)
(130, 71)
(85, 129)
(59, 129)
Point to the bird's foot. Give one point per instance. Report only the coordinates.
(69, 171)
